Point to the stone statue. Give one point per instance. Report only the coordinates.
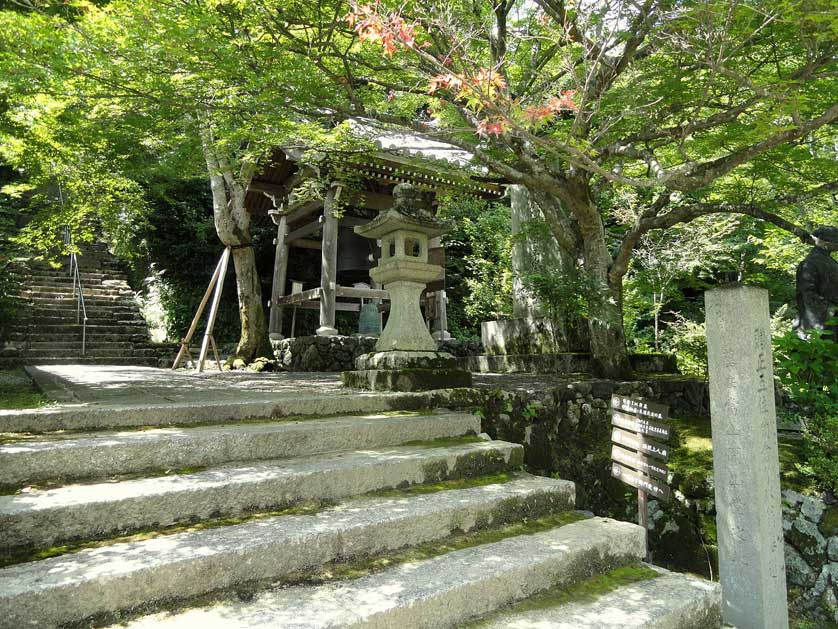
(817, 284)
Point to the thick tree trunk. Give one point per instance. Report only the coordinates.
(605, 312)
(253, 341)
(232, 223)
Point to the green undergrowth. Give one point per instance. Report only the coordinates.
(588, 590)
(446, 485)
(693, 457)
(357, 568)
(25, 555)
(17, 391)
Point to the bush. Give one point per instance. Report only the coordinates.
(808, 371)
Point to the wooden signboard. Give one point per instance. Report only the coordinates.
(640, 408)
(640, 443)
(637, 461)
(640, 425)
(636, 455)
(642, 482)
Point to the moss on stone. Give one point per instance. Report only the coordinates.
(17, 391)
(445, 485)
(829, 521)
(444, 442)
(23, 555)
(588, 590)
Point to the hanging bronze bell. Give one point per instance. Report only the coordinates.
(369, 320)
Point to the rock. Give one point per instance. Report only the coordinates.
(807, 540)
(798, 572)
(792, 498)
(812, 509)
(829, 521)
(311, 360)
(832, 549)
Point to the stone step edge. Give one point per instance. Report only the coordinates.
(439, 592)
(122, 576)
(183, 414)
(103, 510)
(671, 600)
(101, 455)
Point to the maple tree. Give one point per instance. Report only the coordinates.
(695, 106)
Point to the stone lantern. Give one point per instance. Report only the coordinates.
(406, 356)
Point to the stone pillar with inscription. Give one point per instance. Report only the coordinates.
(745, 458)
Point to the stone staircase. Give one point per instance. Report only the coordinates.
(47, 331)
(399, 519)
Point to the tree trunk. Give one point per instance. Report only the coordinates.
(605, 301)
(253, 341)
(232, 223)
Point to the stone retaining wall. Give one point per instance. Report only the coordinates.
(566, 432)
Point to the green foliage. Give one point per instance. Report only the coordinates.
(478, 263)
(808, 371)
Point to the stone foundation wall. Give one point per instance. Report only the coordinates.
(566, 432)
(321, 353)
(338, 353)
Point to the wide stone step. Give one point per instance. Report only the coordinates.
(64, 290)
(93, 319)
(436, 593)
(100, 455)
(84, 512)
(56, 329)
(216, 412)
(74, 333)
(92, 343)
(121, 576)
(670, 601)
(35, 354)
(137, 361)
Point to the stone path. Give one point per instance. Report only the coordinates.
(126, 385)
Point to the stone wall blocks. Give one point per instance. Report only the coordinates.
(812, 509)
(807, 539)
(798, 571)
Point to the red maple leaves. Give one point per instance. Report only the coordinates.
(389, 30)
(483, 89)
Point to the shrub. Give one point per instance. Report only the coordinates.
(808, 371)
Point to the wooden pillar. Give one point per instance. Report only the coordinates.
(280, 271)
(329, 264)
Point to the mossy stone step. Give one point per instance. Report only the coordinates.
(122, 576)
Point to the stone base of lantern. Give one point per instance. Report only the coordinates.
(406, 371)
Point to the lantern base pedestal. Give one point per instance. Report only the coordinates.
(406, 371)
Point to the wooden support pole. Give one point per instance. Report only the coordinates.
(216, 299)
(279, 276)
(328, 264)
(184, 344)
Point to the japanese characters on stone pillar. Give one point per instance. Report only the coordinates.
(745, 459)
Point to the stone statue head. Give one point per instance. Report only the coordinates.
(826, 238)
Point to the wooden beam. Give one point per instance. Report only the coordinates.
(269, 188)
(306, 244)
(343, 306)
(299, 210)
(371, 200)
(305, 230)
(313, 294)
(361, 293)
(352, 221)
